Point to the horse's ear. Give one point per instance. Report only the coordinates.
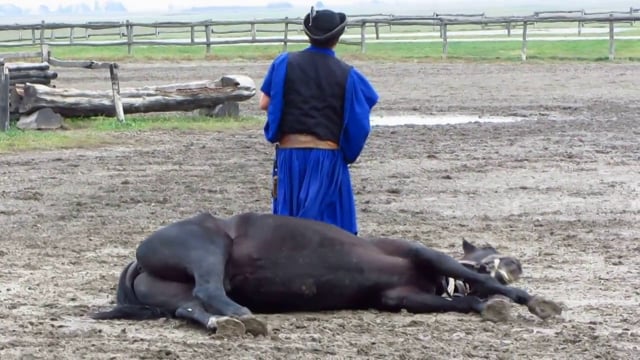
(468, 247)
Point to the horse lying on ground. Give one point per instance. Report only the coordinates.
(218, 272)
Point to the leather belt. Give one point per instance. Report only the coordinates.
(305, 141)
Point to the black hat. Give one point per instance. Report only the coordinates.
(324, 24)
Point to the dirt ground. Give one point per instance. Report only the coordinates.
(559, 189)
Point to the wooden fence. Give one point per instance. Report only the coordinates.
(37, 73)
(131, 34)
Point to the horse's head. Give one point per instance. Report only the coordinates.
(486, 259)
(483, 259)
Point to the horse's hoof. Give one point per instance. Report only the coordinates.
(497, 309)
(544, 308)
(254, 326)
(226, 326)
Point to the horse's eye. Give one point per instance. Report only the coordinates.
(508, 262)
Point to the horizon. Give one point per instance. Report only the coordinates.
(174, 9)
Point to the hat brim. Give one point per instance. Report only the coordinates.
(332, 34)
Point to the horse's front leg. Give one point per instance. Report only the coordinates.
(417, 301)
(443, 264)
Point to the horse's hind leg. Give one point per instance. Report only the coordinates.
(223, 325)
(188, 251)
(176, 295)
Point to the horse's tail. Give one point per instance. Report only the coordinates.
(132, 312)
(128, 306)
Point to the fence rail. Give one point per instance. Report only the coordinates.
(130, 33)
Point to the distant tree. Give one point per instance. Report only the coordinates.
(10, 10)
(319, 5)
(82, 9)
(44, 9)
(279, 5)
(114, 6)
(65, 10)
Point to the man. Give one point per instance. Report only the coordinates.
(318, 111)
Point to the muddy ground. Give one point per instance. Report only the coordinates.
(559, 189)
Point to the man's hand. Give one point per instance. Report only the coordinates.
(264, 101)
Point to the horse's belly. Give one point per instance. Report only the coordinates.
(272, 294)
(309, 283)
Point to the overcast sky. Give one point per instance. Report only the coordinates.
(163, 5)
(137, 5)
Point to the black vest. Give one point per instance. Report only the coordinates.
(314, 95)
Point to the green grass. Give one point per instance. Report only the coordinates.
(100, 131)
(589, 50)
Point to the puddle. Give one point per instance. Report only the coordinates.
(438, 119)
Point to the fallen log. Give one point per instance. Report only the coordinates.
(173, 97)
(34, 74)
(17, 67)
(89, 64)
(42, 81)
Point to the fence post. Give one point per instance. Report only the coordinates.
(286, 34)
(207, 35)
(376, 24)
(612, 44)
(193, 34)
(580, 24)
(4, 96)
(115, 87)
(523, 52)
(579, 28)
(71, 35)
(42, 33)
(445, 42)
(509, 29)
(129, 36)
(363, 29)
(253, 31)
(33, 36)
(45, 53)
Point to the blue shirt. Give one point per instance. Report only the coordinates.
(360, 98)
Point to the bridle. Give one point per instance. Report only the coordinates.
(488, 265)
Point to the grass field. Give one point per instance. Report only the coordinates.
(99, 131)
(584, 50)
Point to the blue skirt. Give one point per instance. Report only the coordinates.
(315, 184)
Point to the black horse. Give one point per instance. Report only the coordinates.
(218, 272)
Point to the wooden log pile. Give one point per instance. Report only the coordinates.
(34, 73)
(25, 94)
(174, 97)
